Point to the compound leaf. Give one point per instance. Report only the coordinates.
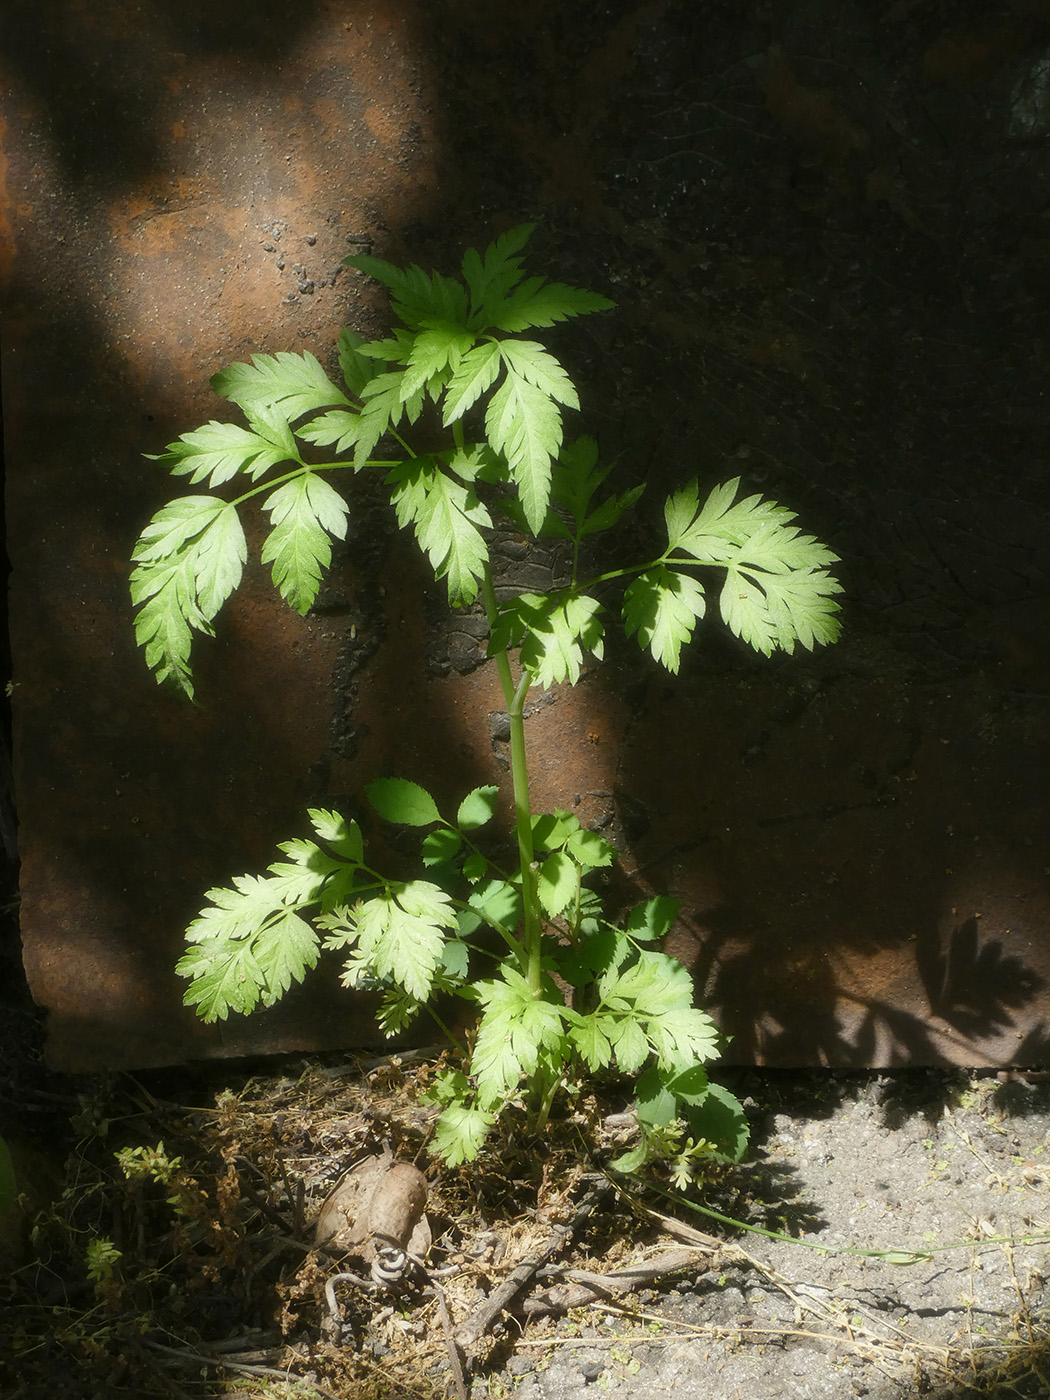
(304, 513)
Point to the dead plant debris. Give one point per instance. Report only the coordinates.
(288, 1235)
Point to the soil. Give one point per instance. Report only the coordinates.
(918, 1205)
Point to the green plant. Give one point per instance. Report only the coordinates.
(574, 991)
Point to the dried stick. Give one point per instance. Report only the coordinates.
(481, 1319)
(583, 1287)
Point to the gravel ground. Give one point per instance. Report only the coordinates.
(931, 1162)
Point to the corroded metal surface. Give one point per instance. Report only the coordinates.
(860, 840)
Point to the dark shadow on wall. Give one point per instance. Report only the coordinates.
(103, 71)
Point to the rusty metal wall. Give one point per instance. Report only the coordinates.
(861, 845)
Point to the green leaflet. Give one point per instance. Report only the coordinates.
(663, 607)
(769, 610)
(250, 944)
(416, 294)
(553, 632)
(436, 351)
(538, 302)
(516, 1028)
(357, 369)
(448, 518)
(305, 512)
(401, 801)
(777, 592)
(296, 384)
(558, 882)
(491, 276)
(477, 808)
(475, 375)
(399, 934)
(189, 560)
(218, 451)
(461, 1132)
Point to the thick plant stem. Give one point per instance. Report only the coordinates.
(514, 695)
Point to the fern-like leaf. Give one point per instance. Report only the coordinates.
(305, 512)
(189, 559)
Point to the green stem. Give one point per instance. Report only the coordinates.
(514, 696)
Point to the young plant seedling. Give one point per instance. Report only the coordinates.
(575, 993)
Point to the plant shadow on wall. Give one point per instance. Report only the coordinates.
(579, 992)
(972, 986)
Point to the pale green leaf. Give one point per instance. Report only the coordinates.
(591, 850)
(589, 1037)
(497, 902)
(304, 513)
(770, 610)
(417, 295)
(440, 846)
(515, 1029)
(557, 882)
(357, 369)
(629, 1043)
(683, 1036)
(527, 360)
(524, 424)
(342, 835)
(477, 808)
(461, 1132)
(436, 351)
(537, 302)
(474, 376)
(559, 632)
(492, 275)
(296, 384)
(189, 559)
(400, 934)
(339, 427)
(218, 451)
(652, 919)
(382, 411)
(401, 801)
(663, 607)
(448, 518)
